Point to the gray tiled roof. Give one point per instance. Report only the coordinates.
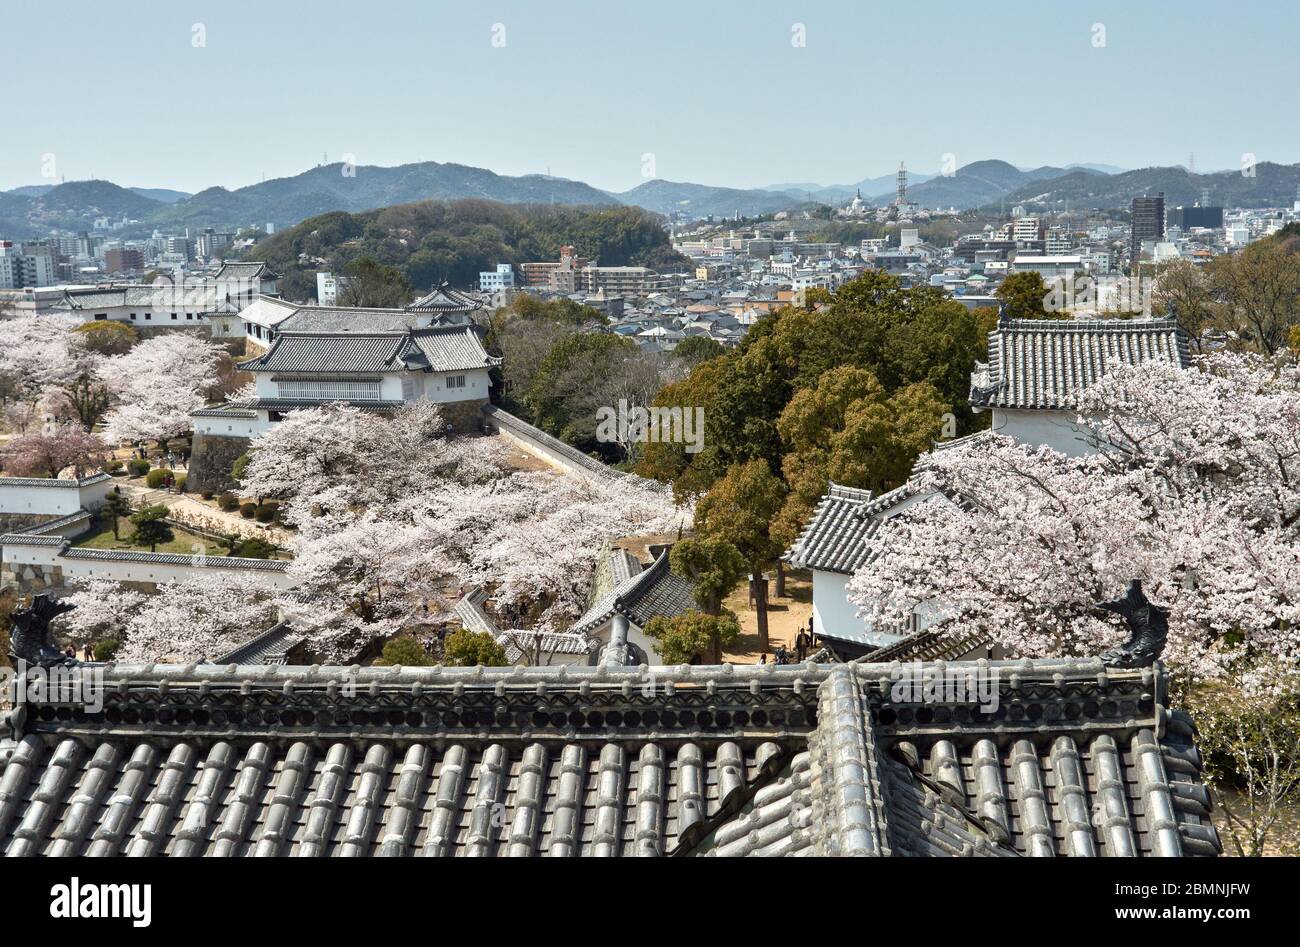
(881, 779)
(329, 354)
(228, 410)
(175, 559)
(936, 643)
(656, 591)
(469, 610)
(250, 270)
(833, 540)
(804, 759)
(50, 482)
(451, 349)
(340, 319)
(352, 353)
(1047, 363)
(294, 404)
(446, 299)
(550, 643)
(269, 647)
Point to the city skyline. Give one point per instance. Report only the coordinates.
(723, 96)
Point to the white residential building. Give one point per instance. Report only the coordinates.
(494, 281)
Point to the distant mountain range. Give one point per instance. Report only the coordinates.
(28, 212)
(1271, 185)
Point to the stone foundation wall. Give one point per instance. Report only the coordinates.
(210, 462)
(16, 522)
(26, 579)
(465, 417)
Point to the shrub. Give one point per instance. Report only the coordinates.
(208, 494)
(137, 467)
(254, 548)
(228, 502)
(105, 649)
(470, 648)
(404, 651)
(114, 466)
(241, 464)
(248, 509)
(156, 478)
(267, 512)
(180, 483)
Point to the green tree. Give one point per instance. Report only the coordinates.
(151, 527)
(465, 648)
(116, 505)
(1023, 294)
(1183, 288)
(739, 510)
(689, 637)
(713, 565)
(1258, 291)
(696, 349)
(847, 429)
(404, 651)
(581, 374)
(107, 336)
(371, 284)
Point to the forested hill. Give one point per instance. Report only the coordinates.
(432, 241)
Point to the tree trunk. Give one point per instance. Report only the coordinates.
(758, 585)
(780, 579)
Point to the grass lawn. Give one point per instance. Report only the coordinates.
(101, 537)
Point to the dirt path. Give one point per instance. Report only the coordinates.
(785, 616)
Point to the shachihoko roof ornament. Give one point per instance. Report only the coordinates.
(1148, 628)
(29, 637)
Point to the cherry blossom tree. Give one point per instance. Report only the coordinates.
(198, 618)
(359, 578)
(392, 519)
(102, 608)
(157, 384)
(48, 365)
(1194, 489)
(41, 454)
(42, 352)
(347, 476)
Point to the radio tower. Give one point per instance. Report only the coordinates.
(902, 184)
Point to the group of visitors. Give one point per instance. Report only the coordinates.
(803, 645)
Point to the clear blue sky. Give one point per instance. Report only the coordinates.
(713, 88)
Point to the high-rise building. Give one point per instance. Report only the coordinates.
(27, 267)
(1186, 218)
(123, 260)
(1148, 224)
